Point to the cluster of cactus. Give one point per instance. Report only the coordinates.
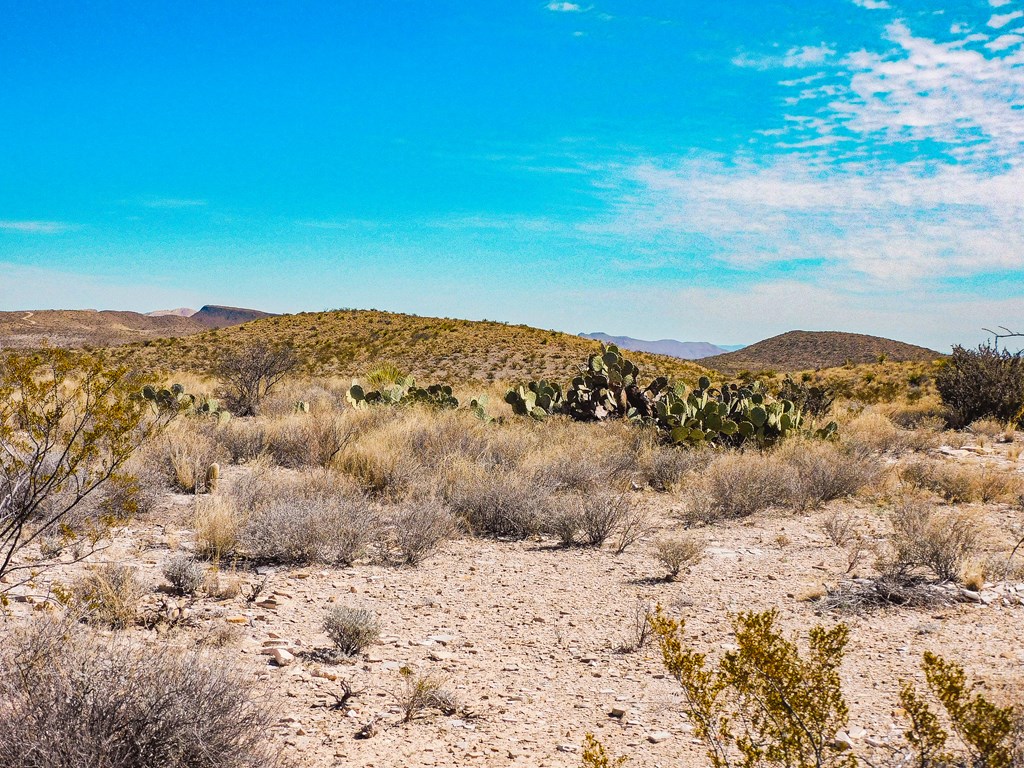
(403, 391)
(609, 387)
(174, 399)
(731, 415)
(537, 399)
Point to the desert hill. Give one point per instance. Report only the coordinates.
(803, 350)
(351, 342)
(108, 328)
(686, 350)
(83, 327)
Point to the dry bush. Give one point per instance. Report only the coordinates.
(679, 552)
(563, 519)
(736, 485)
(815, 472)
(424, 692)
(602, 513)
(988, 428)
(634, 525)
(959, 483)
(73, 699)
(667, 468)
(351, 629)
(381, 470)
(186, 453)
(415, 528)
(307, 520)
(243, 439)
(494, 502)
(306, 440)
(108, 594)
(218, 523)
(873, 432)
(925, 537)
(840, 528)
(185, 574)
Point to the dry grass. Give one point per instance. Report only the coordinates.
(108, 594)
(218, 523)
(816, 472)
(960, 483)
(186, 452)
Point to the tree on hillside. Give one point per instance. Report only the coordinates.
(252, 371)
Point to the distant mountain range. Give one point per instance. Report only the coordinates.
(213, 315)
(686, 350)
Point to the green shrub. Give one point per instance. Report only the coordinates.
(975, 383)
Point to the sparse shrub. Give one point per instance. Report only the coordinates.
(816, 472)
(602, 512)
(185, 574)
(814, 400)
(634, 525)
(640, 629)
(765, 703)
(73, 699)
(424, 692)
(975, 383)
(109, 594)
(416, 528)
(736, 485)
(563, 519)
(840, 528)
(874, 432)
(304, 440)
(303, 525)
(243, 439)
(351, 629)
(924, 537)
(497, 503)
(990, 735)
(218, 524)
(679, 552)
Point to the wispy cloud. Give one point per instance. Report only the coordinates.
(873, 5)
(796, 57)
(35, 227)
(563, 7)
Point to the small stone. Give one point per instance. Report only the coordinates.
(567, 748)
(842, 741)
(440, 656)
(658, 736)
(856, 732)
(618, 712)
(237, 619)
(282, 657)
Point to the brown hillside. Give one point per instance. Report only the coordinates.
(351, 342)
(216, 316)
(803, 350)
(82, 327)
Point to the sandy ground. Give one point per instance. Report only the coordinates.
(527, 634)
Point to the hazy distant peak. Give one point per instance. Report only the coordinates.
(687, 350)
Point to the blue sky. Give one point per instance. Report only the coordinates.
(712, 171)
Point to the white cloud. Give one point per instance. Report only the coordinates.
(563, 7)
(873, 5)
(35, 227)
(1003, 42)
(1001, 20)
(881, 224)
(947, 92)
(999, 3)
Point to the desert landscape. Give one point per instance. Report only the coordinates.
(554, 384)
(387, 574)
